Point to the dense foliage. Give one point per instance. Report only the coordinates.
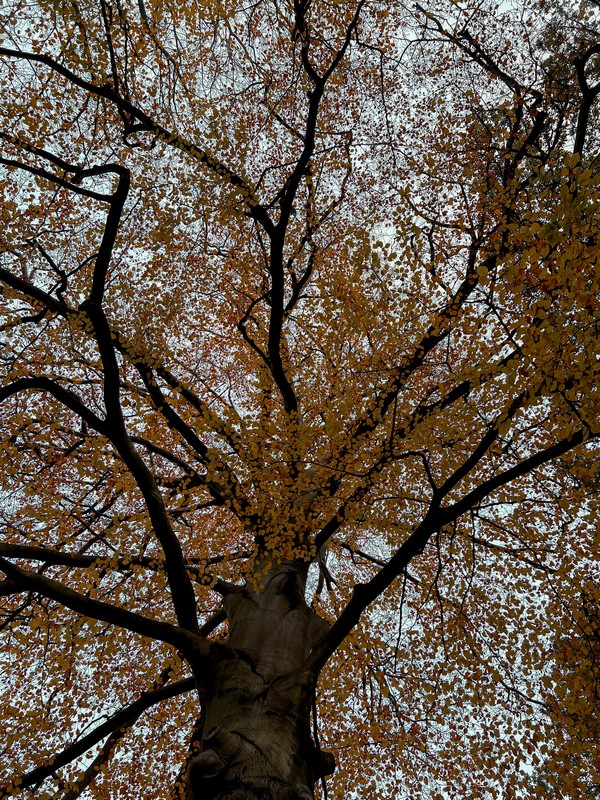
(300, 294)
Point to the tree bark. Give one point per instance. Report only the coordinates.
(256, 741)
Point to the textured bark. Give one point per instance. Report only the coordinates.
(256, 739)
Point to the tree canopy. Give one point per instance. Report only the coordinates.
(299, 398)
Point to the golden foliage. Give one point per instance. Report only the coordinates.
(309, 283)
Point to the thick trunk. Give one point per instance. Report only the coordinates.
(256, 741)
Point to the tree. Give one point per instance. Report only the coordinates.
(299, 392)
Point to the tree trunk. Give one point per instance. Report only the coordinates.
(256, 742)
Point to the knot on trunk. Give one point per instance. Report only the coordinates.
(206, 770)
(221, 770)
(205, 766)
(297, 792)
(324, 764)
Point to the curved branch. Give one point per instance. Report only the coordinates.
(117, 723)
(64, 396)
(179, 637)
(43, 173)
(79, 173)
(108, 92)
(59, 307)
(34, 293)
(232, 489)
(588, 93)
(93, 770)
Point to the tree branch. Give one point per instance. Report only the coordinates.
(419, 415)
(93, 770)
(436, 518)
(49, 176)
(109, 93)
(232, 489)
(436, 333)
(286, 200)
(128, 352)
(117, 723)
(588, 94)
(178, 637)
(64, 396)
(182, 591)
